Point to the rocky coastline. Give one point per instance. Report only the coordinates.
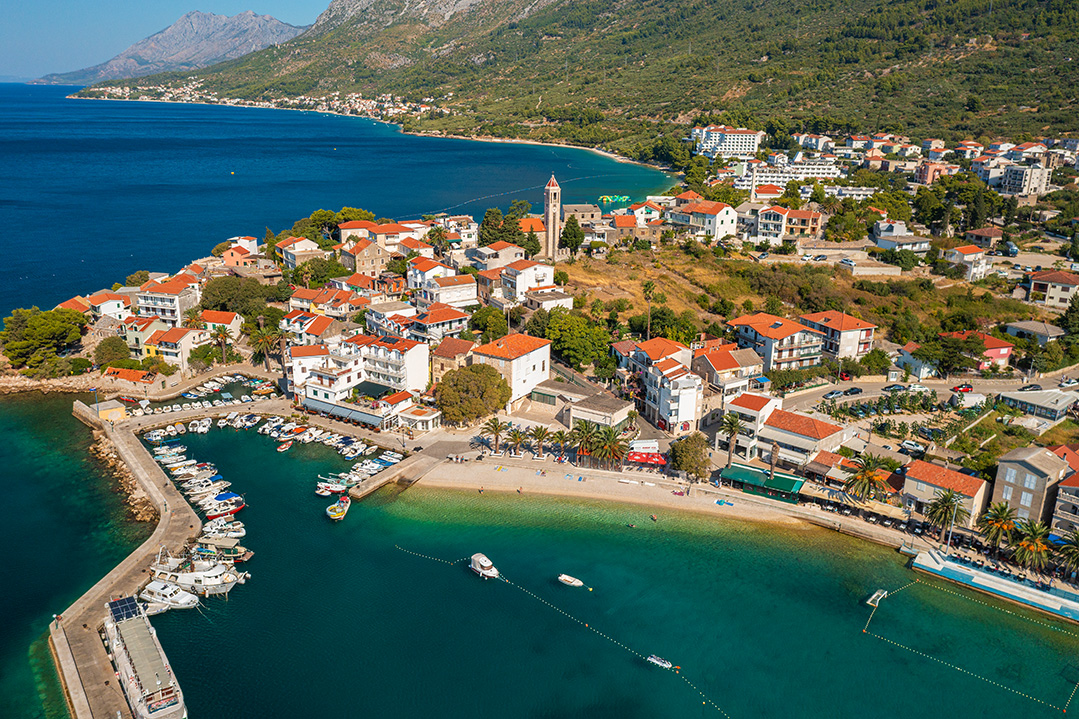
(139, 505)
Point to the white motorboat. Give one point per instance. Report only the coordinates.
(158, 592)
(195, 575)
(570, 581)
(482, 566)
(659, 661)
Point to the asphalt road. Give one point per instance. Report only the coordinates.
(942, 387)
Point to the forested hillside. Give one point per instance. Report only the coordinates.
(599, 72)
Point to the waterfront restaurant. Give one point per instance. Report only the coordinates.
(751, 480)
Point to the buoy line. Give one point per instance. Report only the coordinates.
(677, 670)
(960, 669)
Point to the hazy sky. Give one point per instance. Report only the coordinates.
(42, 36)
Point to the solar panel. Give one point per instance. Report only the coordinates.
(124, 608)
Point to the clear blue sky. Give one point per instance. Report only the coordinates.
(42, 36)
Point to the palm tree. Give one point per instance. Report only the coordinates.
(584, 436)
(264, 343)
(561, 440)
(193, 319)
(222, 335)
(997, 525)
(516, 437)
(649, 290)
(946, 507)
(866, 479)
(494, 428)
(1033, 549)
(610, 447)
(1069, 552)
(732, 427)
(539, 435)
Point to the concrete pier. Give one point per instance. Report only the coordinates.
(84, 667)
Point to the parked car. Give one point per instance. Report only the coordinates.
(848, 262)
(844, 376)
(834, 394)
(763, 256)
(895, 388)
(807, 258)
(1031, 388)
(911, 446)
(851, 391)
(1068, 382)
(962, 388)
(918, 388)
(820, 258)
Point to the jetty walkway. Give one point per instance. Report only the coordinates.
(85, 670)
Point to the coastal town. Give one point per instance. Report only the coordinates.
(872, 334)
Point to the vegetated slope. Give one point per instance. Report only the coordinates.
(605, 71)
(196, 40)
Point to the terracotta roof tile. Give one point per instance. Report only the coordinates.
(801, 425)
(512, 346)
(922, 471)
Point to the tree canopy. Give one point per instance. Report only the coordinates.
(31, 336)
(111, 349)
(466, 394)
(575, 338)
(572, 235)
(690, 455)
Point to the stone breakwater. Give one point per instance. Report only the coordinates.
(138, 502)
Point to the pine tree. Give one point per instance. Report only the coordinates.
(572, 235)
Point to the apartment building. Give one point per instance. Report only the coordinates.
(845, 337)
(781, 343)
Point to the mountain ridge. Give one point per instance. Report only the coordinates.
(196, 40)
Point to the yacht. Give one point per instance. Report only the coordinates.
(482, 566)
(142, 669)
(169, 595)
(660, 661)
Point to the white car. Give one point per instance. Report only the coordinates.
(918, 388)
(807, 258)
(1068, 382)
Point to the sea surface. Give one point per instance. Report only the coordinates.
(91, 191)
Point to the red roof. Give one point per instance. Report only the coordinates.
(512, 346)
(838, 321)
(753, 402)
(423, 264)
(990, 342)
(706, 207)
(659, 347)
(390, 229)
(552, 182)
(455, 281)
(357, 225)
(801, 425)
(439, 312)
(414, 244)
(493, 275)
(769, 190)
(218, 318)
(308, 351)
(102, 297)
(922, 471)
(532, 224)
(131, 375)
(501, 245)
(397, 397)
(318, 325)
(75, 303)
(968, 250)
(770, 326)
(452, 348)
(1055, 277)
(238, 250)
(175, 335)
(625, 221)
(688, 195)
(796, 214)
(521, 265)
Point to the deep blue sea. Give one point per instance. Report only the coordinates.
(91, 191)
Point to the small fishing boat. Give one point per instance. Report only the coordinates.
(285, 446)
(570, 581)
(483, 566)
(659, 661)
(323, 492)
(339, 509)
(333, 487)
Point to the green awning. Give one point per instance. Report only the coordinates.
(757, 478)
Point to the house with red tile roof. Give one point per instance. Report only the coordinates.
(985, 237)
(844, 336)
(917, 368)
(713, 220)
(673, 396)
(729, 369)
(437, 322)
(408, 245)
(294, 251)
(646, 211)
(1053, 288)
(364, 256)
(230, 321)
(458, 291)
(778, 224)
(359, 229)
(521, 277)
(109, 304)
(239, 256)
(137, 330)
(973, 260)
(421, 270)
(798, 437)
(642, 355)
(923, 481)
(451, 353)
(168, 300)
(782, 344)
(175, 345)
(79, 304)
(686, 197)
(134, 376)
(494, 256)
(524, 361)
(997, 353)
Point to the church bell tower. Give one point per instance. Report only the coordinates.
(552, 218)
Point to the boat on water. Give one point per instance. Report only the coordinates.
(142, 669)
(222, 549)
(570, 581)
(168, 594)
(285, 446)
(339, 509)
(659, 661)
(199, 576)
(332, 487)
(483, 566)
(224, 505)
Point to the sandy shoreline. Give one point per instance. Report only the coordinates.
(474, 138)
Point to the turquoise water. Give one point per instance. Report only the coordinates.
(64, 527)
(765, 621)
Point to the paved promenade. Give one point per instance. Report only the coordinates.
(85, 669)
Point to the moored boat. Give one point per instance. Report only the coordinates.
(659, 661)
(142, 669)
(171, 595)
(570, 581)
(285, 446)
(483, 566)
(339, 509)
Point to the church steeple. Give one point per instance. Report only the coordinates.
(552, 217)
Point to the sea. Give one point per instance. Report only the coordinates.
(377, 615)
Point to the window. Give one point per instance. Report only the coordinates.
(920, 486)
(1030, 481)
(1026, 499)
(1009, 476)
(1023, 514)
(1006, 494)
